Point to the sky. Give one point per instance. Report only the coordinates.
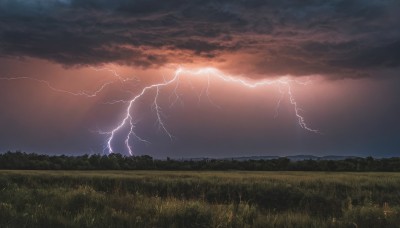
(209, 78)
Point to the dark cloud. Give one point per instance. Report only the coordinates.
(339, 38)
(387, 55)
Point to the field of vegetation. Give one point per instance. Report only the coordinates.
(198, 199)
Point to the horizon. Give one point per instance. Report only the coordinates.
(216, 158)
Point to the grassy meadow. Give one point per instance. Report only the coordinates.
(198, 199)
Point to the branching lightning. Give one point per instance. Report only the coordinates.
(209, 72)
(51, 87)
(283, 84)
(84, 93)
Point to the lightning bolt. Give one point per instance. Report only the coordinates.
(284, 86)
(211, 73)
(84, 93)
(51, 87)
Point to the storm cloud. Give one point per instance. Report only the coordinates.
(336, 39)
(349, 51)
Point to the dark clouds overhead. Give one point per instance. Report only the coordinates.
(338, 38)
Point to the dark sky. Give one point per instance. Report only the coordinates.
(60, 51)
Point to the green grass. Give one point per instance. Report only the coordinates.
(198, 199)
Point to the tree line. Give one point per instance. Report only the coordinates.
(20, 160)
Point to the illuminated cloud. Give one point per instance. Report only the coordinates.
(341, 38)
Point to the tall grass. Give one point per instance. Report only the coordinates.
(198, 199)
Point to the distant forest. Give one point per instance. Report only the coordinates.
(20, 160)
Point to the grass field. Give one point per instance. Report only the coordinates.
(198, 199)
